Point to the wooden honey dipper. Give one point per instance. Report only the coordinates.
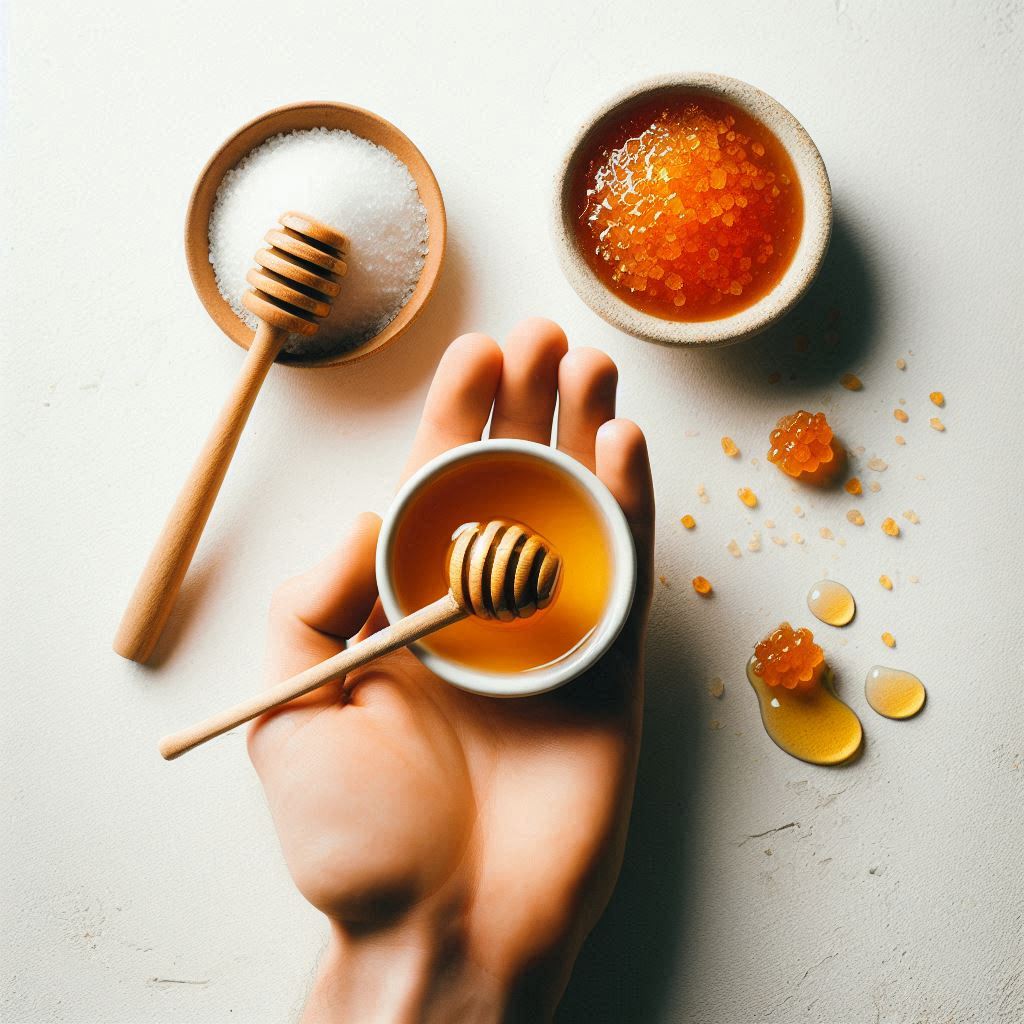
(295, 281)
(500, 570)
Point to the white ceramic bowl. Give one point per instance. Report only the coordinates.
(817, 226)
(622, 559)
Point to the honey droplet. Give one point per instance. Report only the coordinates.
(729, 447)
(812, 725)
(937, 424)
(852, 486)
(831, 602)
(688, 521)
(885, 581)
(855, 517)
(900, 415)
(888, 639)
(890, 527)
(851, 382)
(701, 585)
(894, 693)
(938, 398)
(747, 496)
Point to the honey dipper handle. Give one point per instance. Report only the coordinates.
(155, 593)
(442, 612)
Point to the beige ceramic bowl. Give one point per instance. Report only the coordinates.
(807, 259)
(301, 116)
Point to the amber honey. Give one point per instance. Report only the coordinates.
(688, 208)
(506, 485)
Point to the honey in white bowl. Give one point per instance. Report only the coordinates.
(505, 485)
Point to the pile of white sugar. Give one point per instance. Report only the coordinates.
(352, 185)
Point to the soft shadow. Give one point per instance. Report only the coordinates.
(343, 392)
(186, 615)
(624, 972)
(829, 332)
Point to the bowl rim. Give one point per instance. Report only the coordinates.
(620, 599)
(814, 234)
(297, 117)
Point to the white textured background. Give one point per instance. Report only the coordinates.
(138, 891)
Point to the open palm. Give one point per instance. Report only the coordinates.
(461, 846)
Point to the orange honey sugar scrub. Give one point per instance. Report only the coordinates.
(688, 208)
(789, 658)
(801, 443)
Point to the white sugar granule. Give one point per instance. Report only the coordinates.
(356, 187)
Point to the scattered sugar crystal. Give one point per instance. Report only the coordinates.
(826, 533)
(734, 549)
(878, 465)
(716, 688)
(352, 185)
(754, 544)
(874, 487)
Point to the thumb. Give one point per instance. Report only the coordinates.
(313, 614)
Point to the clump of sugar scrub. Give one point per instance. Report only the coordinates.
(800, 443)
(853, 486)
(888, 639)
(890, 527)
(851, 382)
(688, 522)
(885, 581)
(855, 517)
(938, 398)
(362, 190)
(747, 496)
(789, 658)
(937, 424)
(729, 447)
(901, 415)
(688, 209)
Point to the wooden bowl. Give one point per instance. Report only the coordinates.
(814, 236)
(296, 117)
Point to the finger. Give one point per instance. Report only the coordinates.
(460, 398)
(587, 380)
(312, 614)
(525, 404)
(624, 467)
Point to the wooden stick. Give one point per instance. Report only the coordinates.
(155, 593)
(441, 613)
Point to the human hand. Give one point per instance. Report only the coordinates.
(461, 846)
